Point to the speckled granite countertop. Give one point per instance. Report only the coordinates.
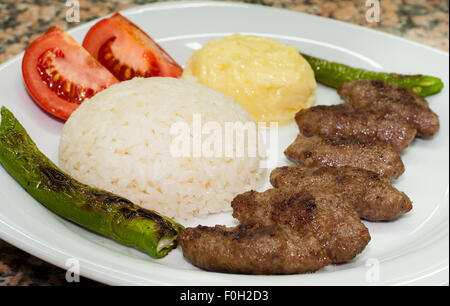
(21, 21)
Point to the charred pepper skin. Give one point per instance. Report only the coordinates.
(335, 74)
(95, 209)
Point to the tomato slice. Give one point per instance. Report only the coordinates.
(127, 51)
(59, 74)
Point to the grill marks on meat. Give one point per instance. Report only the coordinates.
(366, 154)
(398, 103)
(373, 197)
(331, 219)
(250, 249)
(342, 120)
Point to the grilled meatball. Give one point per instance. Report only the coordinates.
(373, 197)
(398, 103)
(370, 155)
(343, 120)
(252, 249)
(332, 220)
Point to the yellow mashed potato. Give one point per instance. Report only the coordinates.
(270, 80)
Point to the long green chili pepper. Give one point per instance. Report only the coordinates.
(92, 208)
(335, 74)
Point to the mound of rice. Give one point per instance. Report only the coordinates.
(120, 140)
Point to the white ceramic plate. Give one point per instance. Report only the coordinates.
(411, 250)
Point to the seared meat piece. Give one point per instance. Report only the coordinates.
(252, 249)
(374, 197)
(398, 103)
(343, 120)
(332, 220)
(371, 155)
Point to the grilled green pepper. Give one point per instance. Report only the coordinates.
(335, 74)
(92, 208)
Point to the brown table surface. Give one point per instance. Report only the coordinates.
(21, 21)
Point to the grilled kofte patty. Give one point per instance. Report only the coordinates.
(343, 120)
(282, 231)
(252, 249)
(398, 103)
(373, 197)
(332, 220)
(370, 155)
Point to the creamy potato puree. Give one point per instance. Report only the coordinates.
(270, 80)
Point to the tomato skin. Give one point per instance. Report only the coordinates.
(81, 69)
(131, 48)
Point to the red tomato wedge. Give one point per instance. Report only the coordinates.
(59, 74)
(127, 51)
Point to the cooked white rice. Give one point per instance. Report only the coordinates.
(120, 139)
